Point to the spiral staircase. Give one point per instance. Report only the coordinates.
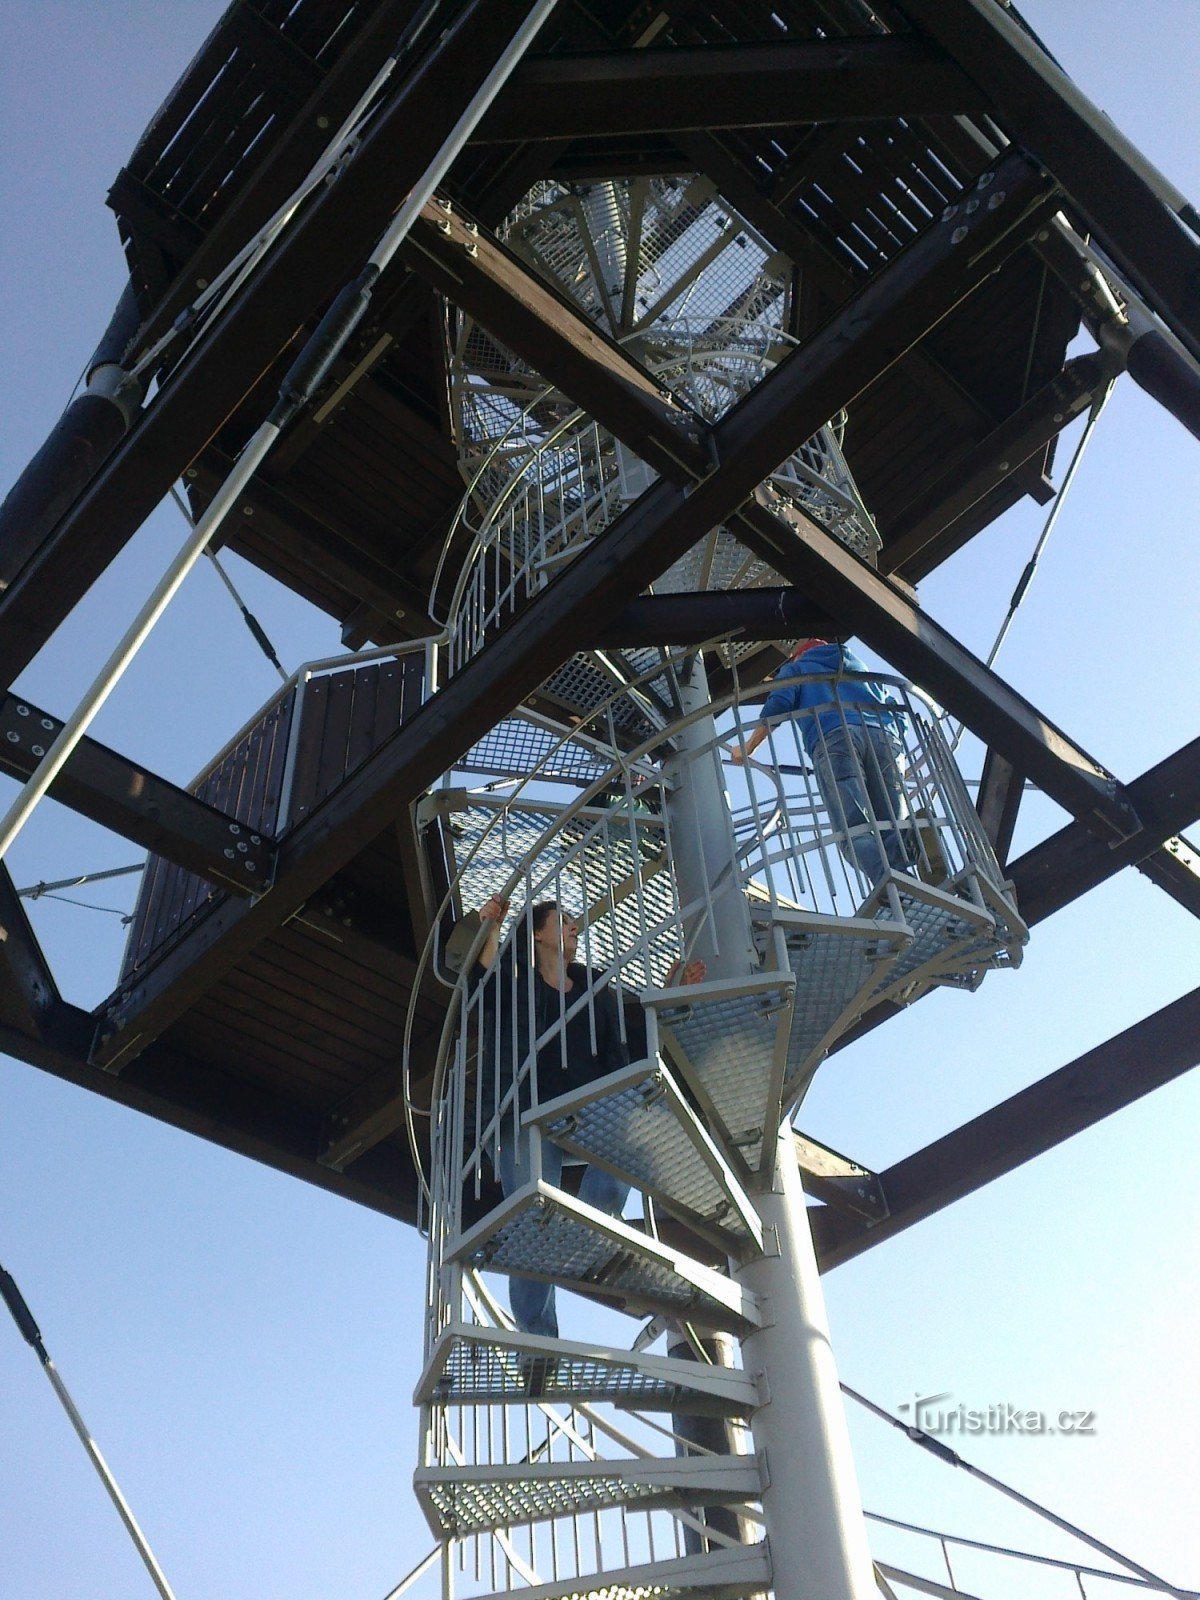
(579, 1466)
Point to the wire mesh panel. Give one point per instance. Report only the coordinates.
(663, 266)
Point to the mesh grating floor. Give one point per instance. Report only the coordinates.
(509, 1496)
(718, 1575)
(836, 973)
(516, 746)
(731, 1047)
(641, 1131)
(547, 1238)
(940, 935)
(477, 1372)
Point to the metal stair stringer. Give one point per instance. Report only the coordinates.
(475, 1365)
(637, 1124)
(541, 1232)
(728, 1038)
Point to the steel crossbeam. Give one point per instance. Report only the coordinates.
(599, 94)
(1153, 1052)
(122, 795)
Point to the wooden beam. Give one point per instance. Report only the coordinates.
(126, 797)
(28, 993)
(607, 93)
(1074, 860)
(928, 529)
(1153, 1052)
(788, 406)
(327, 244)
(1000, 789)
(1143, 223)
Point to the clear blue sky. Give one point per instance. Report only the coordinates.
(244, 1347)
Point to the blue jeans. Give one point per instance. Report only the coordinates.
(858, 773)
(532, 1302)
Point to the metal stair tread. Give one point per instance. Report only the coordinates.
(637, 1123)
(838, 963)
(720, 1574)
(542, 1233)
(942, 925)
(469, 1499)
(728, 1038)
(474, 1365)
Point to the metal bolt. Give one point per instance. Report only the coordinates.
(243, 846)
(22, 711)
(254, 839)
(234, 827)
(986, 179)
(996, 200)
(247, 511)
(202, 283)
(950, 211)
(250, 866)
(971, 206)
(1003, 467)
(13, 736)
(191, 473)
(958, 235)
(228, 853)
(38, 749)
(322, 122)
(48, 724)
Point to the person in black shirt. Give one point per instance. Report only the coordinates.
(540, 992)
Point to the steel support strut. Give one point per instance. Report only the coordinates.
(811, 1503)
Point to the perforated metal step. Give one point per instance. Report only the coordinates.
(638, 1124)
(729, 1041)
(720, 1575)
(472, 1365)
(465, 1500)
(944, 930)
(838, 964)
(540, 1232)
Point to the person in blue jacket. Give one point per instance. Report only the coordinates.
(850, 730)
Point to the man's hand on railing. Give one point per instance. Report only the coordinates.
(492, 913)
(680, 975)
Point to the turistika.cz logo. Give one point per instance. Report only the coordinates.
(931, 1414)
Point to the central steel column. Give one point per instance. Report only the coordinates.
(811, 1504)
(719, 931)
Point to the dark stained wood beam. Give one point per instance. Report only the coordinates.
(1000, 789)
(788, 406)
(601, 94)
(693, 618)
(325, 247)
(124, 796)
(1153, 1052)
(489, 281)
(29, 996)
(1072, 861)
(928, 529)
(1149, 230)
